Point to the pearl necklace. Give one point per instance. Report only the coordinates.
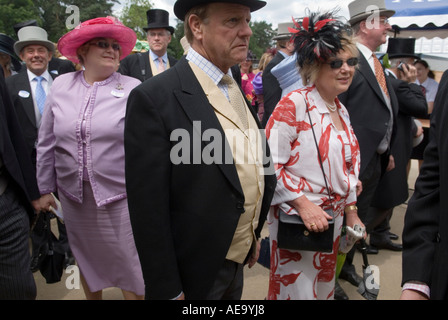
(331, 107)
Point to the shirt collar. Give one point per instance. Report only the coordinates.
(155, 57)
(367, 53)
(205, 65)
(45, 75)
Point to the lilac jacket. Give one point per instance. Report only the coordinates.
(62, 149)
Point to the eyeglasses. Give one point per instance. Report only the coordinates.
(336, 64)
(105, 45)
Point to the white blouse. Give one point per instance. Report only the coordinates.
(295, 154)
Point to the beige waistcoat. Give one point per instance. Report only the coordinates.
(154, 69)
(247, 153)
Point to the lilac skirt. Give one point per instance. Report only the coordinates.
(102, 242)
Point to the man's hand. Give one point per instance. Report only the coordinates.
(255, 255)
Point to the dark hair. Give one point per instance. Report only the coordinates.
(426, 65)
(319, 37)
(422, 62)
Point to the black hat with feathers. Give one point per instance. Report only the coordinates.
(318, 37)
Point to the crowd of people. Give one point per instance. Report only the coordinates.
(320, 132)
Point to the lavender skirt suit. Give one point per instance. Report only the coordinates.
(80, 154)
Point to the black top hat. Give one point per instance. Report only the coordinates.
(157, 19)
(7, 46)
(401, 47)
(181, 7)
(28, 23)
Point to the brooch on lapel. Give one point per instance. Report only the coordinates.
(119, 93)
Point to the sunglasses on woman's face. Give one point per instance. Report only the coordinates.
(105, 45)
(336, 64)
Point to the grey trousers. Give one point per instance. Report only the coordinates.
(16, 279)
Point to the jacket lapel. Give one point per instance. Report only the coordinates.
(366, 71)
(197, 107)
(23, 84)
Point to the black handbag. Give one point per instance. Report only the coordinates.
(294, 235)
(51, 262)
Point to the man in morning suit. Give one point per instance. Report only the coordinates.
(373, 107)
(425, 230)
(148, 64)
(56, 66)
(198, 185)
(393, 189)
(28, 90)
(18, 189)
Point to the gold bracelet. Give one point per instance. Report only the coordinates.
(352, 207)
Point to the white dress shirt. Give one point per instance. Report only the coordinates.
(46, 84)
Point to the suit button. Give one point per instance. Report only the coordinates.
(240, 205)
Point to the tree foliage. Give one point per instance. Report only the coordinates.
(50, 14)
(133, 16)
(13, 12)
(261, 39)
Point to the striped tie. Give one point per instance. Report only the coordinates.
(161, 65)
(40, 94)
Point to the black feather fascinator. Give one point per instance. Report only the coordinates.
(318, 37)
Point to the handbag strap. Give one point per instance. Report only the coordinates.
(318, 151)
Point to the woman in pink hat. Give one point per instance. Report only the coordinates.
(80, 154)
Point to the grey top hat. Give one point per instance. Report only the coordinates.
(32, 35)
(361, 9)
(283, 32)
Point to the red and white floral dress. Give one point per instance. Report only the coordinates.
(306, 274)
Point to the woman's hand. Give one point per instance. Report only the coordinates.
(314, 218)
(47, 201)
(351, 218)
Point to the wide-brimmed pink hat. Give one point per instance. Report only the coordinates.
(108, 27)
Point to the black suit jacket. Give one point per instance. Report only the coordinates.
(58, 66)
(425, 232)
(137, 65)
(14, 152)
(272, 92)
(368, 110)
(392, 189)
(183, 216)
(24, 107)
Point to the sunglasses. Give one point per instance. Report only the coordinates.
(336, 64)
(105, 45)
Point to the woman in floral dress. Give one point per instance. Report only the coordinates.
(327, 57)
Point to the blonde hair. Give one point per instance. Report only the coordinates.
(310, 71)
(264, 60)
